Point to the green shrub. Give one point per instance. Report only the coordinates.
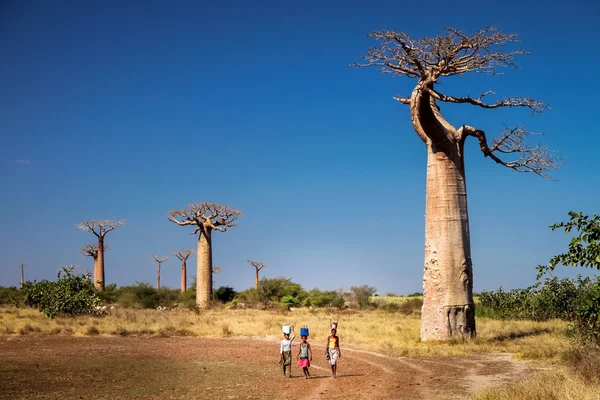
(224, 294)
(69, 295)
(324, 298)
(11, 296)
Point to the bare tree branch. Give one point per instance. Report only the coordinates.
(535, 106)
(183, 254)
(91, 250)
(531, 158)
(403, 100)
(206, 215)
(257, 264)
(100, 227)
(159, 259)
(453, 53)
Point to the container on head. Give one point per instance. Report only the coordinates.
(334, 325)
(286, 329)
(303, 331)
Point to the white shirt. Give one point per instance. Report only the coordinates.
(286, 344)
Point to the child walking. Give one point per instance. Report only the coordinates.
(285, 350)
(304, 356)
(333, 351)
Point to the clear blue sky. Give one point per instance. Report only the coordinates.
(130, 109)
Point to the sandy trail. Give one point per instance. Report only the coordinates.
(52, 367)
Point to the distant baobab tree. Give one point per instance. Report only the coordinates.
(183, 255)
(448, 307)
(100, 228)
(205, 217)
(22, 266)
(258, 265)
(159, 260)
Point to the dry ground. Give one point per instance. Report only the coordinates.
(102, 367)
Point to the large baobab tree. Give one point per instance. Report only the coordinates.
(258, 265)
(448, 308)
(100, 228)
(183, 255)
(206, 217)
(159, 260)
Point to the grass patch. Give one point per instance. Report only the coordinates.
(395, 332)
(92, 331)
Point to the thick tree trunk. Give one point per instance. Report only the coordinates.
(448, 308)
(256, 280)
(183, 276)
(158, 277)
(99, 266)
(204, 270)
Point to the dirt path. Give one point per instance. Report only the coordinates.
(55, 367)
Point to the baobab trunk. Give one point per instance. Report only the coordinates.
(448, 308)
(183, 276)
(158, 277)
(204, 269)
(99, 266)
(256, 280)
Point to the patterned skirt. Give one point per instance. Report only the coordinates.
(333, 354)
(286, 358)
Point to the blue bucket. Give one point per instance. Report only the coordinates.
(303, 331)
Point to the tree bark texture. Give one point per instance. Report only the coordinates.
(183, 275)
(99, 266)
(204, 269)
(448, 308)
(256, 280)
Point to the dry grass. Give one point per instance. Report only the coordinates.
(393, 333)
(563, 384)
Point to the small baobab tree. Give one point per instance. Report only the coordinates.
(91, 250)
(159, 260)
(258, 265)
(448, 308)
(22, 267)
(206, 218)
(100, 228)
(183, 255)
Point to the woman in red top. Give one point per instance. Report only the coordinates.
(333, 352)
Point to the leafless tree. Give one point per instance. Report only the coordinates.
(99, 228)
(205, 217)
(258, 265)
(159, 260)
(183, 255)
(22, 266)
(448, 308)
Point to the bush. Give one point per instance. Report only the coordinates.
(324, 298)
(362, 295)
(224, 294)
(68, 295)
(11, 296)
(275, 289)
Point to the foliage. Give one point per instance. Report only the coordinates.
(576, 301)
(69, 295)
(143, 295)
(276, 289)
(11, 296)
(224, 294)
(584, 248)
(362, 295)
(324, 298)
